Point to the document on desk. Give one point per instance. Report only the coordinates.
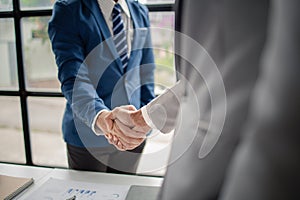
(55, 189)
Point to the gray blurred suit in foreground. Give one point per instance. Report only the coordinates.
(237, 35)
(267, 162)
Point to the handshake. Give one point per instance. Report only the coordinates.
(124, 127)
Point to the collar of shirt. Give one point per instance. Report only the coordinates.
(108, 5)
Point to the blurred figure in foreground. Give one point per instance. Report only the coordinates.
(255, 46)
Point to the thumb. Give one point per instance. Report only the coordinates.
(131, 108)
(109, 121)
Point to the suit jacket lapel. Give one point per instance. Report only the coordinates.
(93, 6)
(134, 17)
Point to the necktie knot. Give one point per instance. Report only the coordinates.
(117, 9)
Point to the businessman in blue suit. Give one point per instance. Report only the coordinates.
(105, 60)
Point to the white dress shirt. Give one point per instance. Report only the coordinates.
(147, 118)
(106, 7)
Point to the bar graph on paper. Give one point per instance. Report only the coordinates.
(55, 189)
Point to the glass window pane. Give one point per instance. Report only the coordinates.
(40, 67)
(6, 5)
(36, 4)
(48, 147)
(12, 143)
(162, 24)
(8, 67)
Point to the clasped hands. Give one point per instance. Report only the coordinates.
(124, 127)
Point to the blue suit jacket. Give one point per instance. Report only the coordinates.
(90, 70)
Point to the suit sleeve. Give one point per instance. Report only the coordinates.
(73, 74)
(147, 65)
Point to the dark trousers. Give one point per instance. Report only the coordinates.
(104, 159)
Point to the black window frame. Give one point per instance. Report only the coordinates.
(23, 93)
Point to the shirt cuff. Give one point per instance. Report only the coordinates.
(147, 117)
(95, 128)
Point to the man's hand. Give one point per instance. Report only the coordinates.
(105, 121)
(121, 141)
(129, 122)
(117, 133)
(132, 119)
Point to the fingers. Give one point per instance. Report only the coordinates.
(114, 141)
(128, 107)
(143, 129)
(129, 131)
(119, 128)
(126, 140)
(124, 115)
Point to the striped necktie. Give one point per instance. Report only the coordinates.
(120, 35)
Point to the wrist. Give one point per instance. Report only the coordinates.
(102, 119)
